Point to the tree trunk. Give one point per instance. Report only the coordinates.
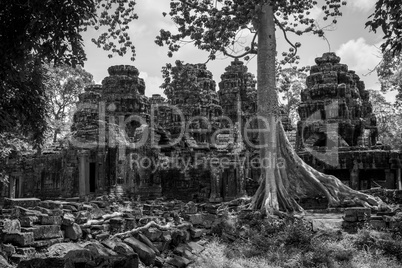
(284, 175)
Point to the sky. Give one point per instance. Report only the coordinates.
(349, 39)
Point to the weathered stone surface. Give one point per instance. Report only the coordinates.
(44, 231)
(21, 202)
(10, 226)
(73, 232)
(28, 251)
(357, 214)
(4, 263)
(72, 257)
(99, 249)
(19, 239)
(195, 247)
(178, 261)
(22, 212)
(50, 204)
(147, 242)
(196, 219)
(50, 220)
(28, 221)
(123, 248)
(197, 232)
(8, 249)
(68, 219)
(153, 234)
(326, 224)
(47, 242)
(146, 254)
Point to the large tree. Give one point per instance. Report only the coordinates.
(64, 84)
(214, 26)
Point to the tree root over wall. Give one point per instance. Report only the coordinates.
(293, 178)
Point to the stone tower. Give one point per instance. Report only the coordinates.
(335, 108)
(238, 96)
(198, 103)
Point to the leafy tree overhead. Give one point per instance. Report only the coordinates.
(38, 31)
(389, 120)
(387, 16)
(214, 26)
(290, 83)
(63, 85)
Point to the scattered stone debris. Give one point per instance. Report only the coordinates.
(49, 233)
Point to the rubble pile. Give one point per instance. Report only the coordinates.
(122, 234)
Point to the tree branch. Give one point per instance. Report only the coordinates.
(251, 51)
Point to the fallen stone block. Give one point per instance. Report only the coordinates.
(326, 224)
(21, 202)
(361, 214)
(50, 220)
(195, 219)
(46, 242)
(81, 258)
(8, 249)
(29, 221)
(99, 249)
(123, 248)
(197, 232)
(146, 254)
(147, 242)
(153, 234)
(50, 204)
(22, 212)
(111, 242)
(50, 212)
(10, 226)
(68, 219)
(102, 236)
(378, 224)
(178, 261)
(28, 251)
(73, 232)
(19, 239)
(44, 231)
(195, 247)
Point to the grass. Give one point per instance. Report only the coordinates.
(276, 243)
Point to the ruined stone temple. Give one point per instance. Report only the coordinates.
(337, 133)
(126, 144)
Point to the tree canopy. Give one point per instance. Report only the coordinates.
(387, 16)
(63, 86)
(215, 26)
(38, 31)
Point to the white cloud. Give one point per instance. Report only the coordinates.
(152, 84)
(362, 5)
(359, 55)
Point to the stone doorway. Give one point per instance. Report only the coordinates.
(92, 177)
(229, 184)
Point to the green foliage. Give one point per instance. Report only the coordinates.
(368, 239)
(290, 83)
(388, 16)
(38, 31)
(64, 84)
(215, 26)
(389, 120)
(11, 145)
(290, 243)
